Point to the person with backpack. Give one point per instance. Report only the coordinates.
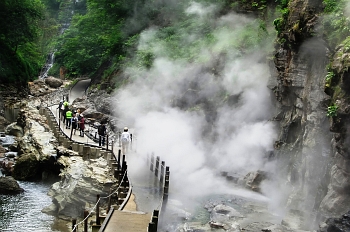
(74, 122)
(125, 138)
(101, 134)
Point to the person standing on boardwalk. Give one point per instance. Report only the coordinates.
(101, 134)
(69, 115)
(60, 108)
(65, 109)
(81, 123)
(125, 138)
(74, 122)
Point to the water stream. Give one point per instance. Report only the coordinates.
(22, 212)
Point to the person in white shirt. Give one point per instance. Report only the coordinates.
(125, 138)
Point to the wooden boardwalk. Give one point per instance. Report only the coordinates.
(127, 220)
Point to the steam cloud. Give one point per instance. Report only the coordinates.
(169, 116)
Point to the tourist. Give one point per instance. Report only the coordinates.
(125, 138)
(68, 118)
(74, 122)
(101, 134)
(81, 123)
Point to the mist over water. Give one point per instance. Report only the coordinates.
(205, 109)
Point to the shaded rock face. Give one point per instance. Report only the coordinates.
(303, 150)
(8, 185)
(336, 224)
(337, 200)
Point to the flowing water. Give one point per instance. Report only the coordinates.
(22, 212)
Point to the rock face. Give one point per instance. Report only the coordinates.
(304, 141)
(80, 183)
(8, 185)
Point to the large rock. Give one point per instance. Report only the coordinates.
(81, 182)
(14, 129)
(53, 82)
(8, 185)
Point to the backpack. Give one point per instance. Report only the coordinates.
(125, 139)
(101, 130)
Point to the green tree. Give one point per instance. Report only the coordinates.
(19, 57)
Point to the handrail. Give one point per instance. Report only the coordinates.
(120, 167)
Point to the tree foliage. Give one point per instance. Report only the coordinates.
(19, 24)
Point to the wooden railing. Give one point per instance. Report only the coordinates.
(162, 174)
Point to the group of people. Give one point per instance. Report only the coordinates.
(72, 118)
(75, 120)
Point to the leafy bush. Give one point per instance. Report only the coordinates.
(332, 110)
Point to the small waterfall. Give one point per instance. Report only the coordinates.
(49, 63)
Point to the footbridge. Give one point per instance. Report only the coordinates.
(137, 203)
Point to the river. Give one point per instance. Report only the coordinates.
(22, 212)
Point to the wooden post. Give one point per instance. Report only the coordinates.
(152, 160)
(71, 132)
(98, 221)
(86, 213)
(161, 179)
(131, 142)
(151, 227)
(119, 135)
(157, 166)
(74, 222)
(155, 219)
(109, 200)
(107, 143)
(119, 154)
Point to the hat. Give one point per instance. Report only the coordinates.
(61, 101)
(125, 128)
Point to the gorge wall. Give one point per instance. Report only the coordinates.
(311, 144)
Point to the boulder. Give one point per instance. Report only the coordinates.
(8, 185)
(253, 180)
(53, 82)
(14, 129)
(80, 182)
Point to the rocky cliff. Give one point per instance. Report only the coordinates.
(311, 144)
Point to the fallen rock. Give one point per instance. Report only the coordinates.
(8, 185)
(53, 82)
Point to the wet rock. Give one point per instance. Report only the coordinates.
(8, 185)
(14, 129)
(253, 180)
(336, 224)
(53, 82)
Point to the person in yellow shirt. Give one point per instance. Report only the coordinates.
(69, 116)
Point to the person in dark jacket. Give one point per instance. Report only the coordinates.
(101, 134)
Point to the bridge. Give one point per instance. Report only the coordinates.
(137, 203)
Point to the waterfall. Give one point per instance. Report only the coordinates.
(49, 63)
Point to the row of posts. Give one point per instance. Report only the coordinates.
(163, 173)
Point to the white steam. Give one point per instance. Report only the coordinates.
(239, 135)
